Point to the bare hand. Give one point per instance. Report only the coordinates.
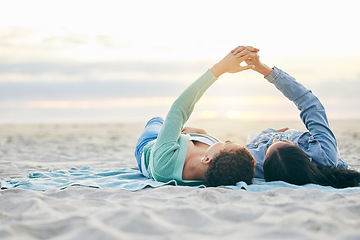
(242, 48)
(231, 64)
(282, 130)
(193, 130)
(253, 59)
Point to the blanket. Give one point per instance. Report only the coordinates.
(130, 179)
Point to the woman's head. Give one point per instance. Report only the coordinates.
(228, 167)
(287, 162)
(218, 147)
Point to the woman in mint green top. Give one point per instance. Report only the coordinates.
(165, 153)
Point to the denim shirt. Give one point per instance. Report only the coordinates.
(319, 143)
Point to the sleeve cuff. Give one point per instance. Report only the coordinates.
(210, 73)
(274, 75)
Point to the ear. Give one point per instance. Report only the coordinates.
(206, 160)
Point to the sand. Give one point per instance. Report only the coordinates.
(168, 212)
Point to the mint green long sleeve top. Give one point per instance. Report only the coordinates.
(165, 157)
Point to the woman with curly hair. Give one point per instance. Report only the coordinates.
(167, 151)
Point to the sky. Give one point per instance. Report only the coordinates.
(113, 60)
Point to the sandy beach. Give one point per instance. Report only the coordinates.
(169, 212)
(80, 79)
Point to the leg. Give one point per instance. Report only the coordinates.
(149, 134)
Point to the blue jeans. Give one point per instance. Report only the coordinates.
(149, 134)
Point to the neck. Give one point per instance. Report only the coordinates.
(194, 169)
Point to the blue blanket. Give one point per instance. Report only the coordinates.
(129, 179)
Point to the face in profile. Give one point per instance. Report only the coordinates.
(218, 147)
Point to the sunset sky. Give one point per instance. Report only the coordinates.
(93, 61)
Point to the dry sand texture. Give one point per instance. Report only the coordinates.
(163, 213)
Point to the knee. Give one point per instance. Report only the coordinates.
(155, 120)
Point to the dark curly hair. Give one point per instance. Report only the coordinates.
(292, 165)
(228, 168)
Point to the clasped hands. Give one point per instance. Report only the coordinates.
(231, 63)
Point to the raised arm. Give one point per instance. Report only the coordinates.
(312, 112)
(183, 106)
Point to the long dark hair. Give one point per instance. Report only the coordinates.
(292, 165)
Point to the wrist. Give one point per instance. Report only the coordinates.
(263, 69)
(217, 70)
